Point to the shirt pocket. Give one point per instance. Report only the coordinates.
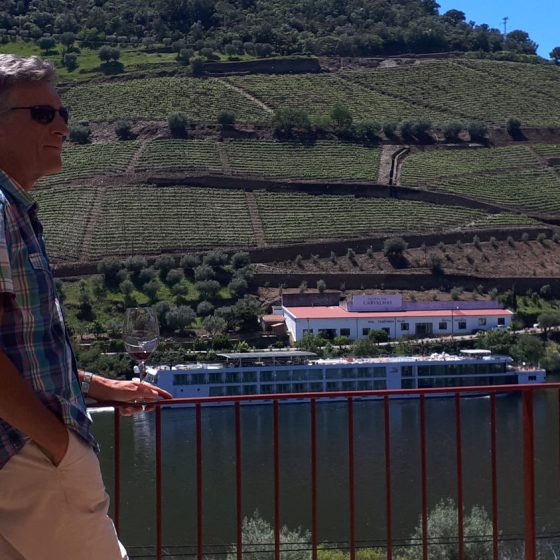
(41, 282)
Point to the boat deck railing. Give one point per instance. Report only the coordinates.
(526, 476)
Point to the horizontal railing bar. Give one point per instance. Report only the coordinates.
(484, 389)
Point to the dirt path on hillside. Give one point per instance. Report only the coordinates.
(249, 96)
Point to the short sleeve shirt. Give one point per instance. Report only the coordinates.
(32, 330)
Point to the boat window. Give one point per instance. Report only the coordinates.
(215, 377)
(315, 387)
(249, 389)
(334, 373)
(217, 391)
(268, 389)
(407, 371)
(284, 375)
(379, 371)
(362, 372)
(365, 385)
(232, 377)
(267, 376)
(334, 386)
(181, 379)
(349, 385)
(380, 384)
(233, 390)
(409, 384)
(300, 387)
(248, 376)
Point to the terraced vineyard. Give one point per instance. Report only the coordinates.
(92, 159)
(151, 220)
(512, 176)
(156, 98)
(297, 216)
(424, 167)
(180, 154)
(318, 93)
(547, 150)
(322, 160)
(64, 212)
(459, 89)
(439, 90)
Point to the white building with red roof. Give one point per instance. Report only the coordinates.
(355, 317)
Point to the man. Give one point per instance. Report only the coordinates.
(53, 504)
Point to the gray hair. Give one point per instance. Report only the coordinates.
(16, 70)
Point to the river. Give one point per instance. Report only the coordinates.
(179, 467)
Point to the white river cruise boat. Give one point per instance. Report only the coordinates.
(263, 373)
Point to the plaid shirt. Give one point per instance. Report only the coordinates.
(32, 331)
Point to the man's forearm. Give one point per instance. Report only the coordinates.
(21, 408)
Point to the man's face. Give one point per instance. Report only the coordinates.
(29, 149)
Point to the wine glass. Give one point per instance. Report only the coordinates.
(140, 335)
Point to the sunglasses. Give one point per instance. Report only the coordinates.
(44, 114)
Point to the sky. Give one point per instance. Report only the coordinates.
(539, 18)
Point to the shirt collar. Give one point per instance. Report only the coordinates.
(17, 191)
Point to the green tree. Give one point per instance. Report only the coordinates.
(123, 130)
(452, 130)
(519, 41)
(549, 320)
(180, 318)
(555, 55)
(226, 118)
(214, 324)
(364, 347)
(286, 120)
(80, 133)
(498, 341)
(177, 123)
(378, 335)
(528, 349)
(443, 533)
(341, 117)
(311, 343)
(394, 247)
(513, 126)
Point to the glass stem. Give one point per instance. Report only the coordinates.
(142, 370)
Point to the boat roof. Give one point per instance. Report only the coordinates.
(287, 354)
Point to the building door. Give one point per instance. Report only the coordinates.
(424, 329)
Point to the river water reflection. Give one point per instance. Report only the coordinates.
(179, 467)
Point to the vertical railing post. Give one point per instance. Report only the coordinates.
(424, 477)
(314, 539)
(351, 482)
(388, 497)
(238, 480)
(117, 466)
(276, 483)
(199, 480)
(493, 459)
(529, 476)
(459, 453)
(159, 540)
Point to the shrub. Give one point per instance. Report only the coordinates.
(215, 258)
(80, 133)
(525, 237)
(341, 118)
(241, 259)
(177, 123)
(174, 276)
(442, 532)
(204, 308)
(394, 247)
(476, 242)
(238, 286)
(303, 287)
(151, 289)
(123, 130)
(164, 264)
(541, 237)
(109, 267)
(189, 262)
(435, 263)
(421, 127)
(341, 340)
(456, 292)
(494, 242)
(286, 119)
(180, 318)
(184, 56)
(350, 254)
(389, 129)
(215, 325)
(204, 272)
(135, 264)
(226, 118)
(452, 130)
(298, 260)
(321, 286)
(70, 61)
(368, 131)
(406, 129)
(513, 126)
(477, 130)
(378, 335)
(510, 241)
(207, 288)
(147, 274)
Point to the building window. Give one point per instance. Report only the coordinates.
(462, 325)
(501, 320)
(404, 326)
(344, 332)
(365, 332)
(442, 325)
(482, 321)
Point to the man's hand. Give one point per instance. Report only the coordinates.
(134, 392)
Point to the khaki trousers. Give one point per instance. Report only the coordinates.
(56, 513)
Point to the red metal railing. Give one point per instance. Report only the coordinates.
(526, 391)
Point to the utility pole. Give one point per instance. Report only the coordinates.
(504, 21)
